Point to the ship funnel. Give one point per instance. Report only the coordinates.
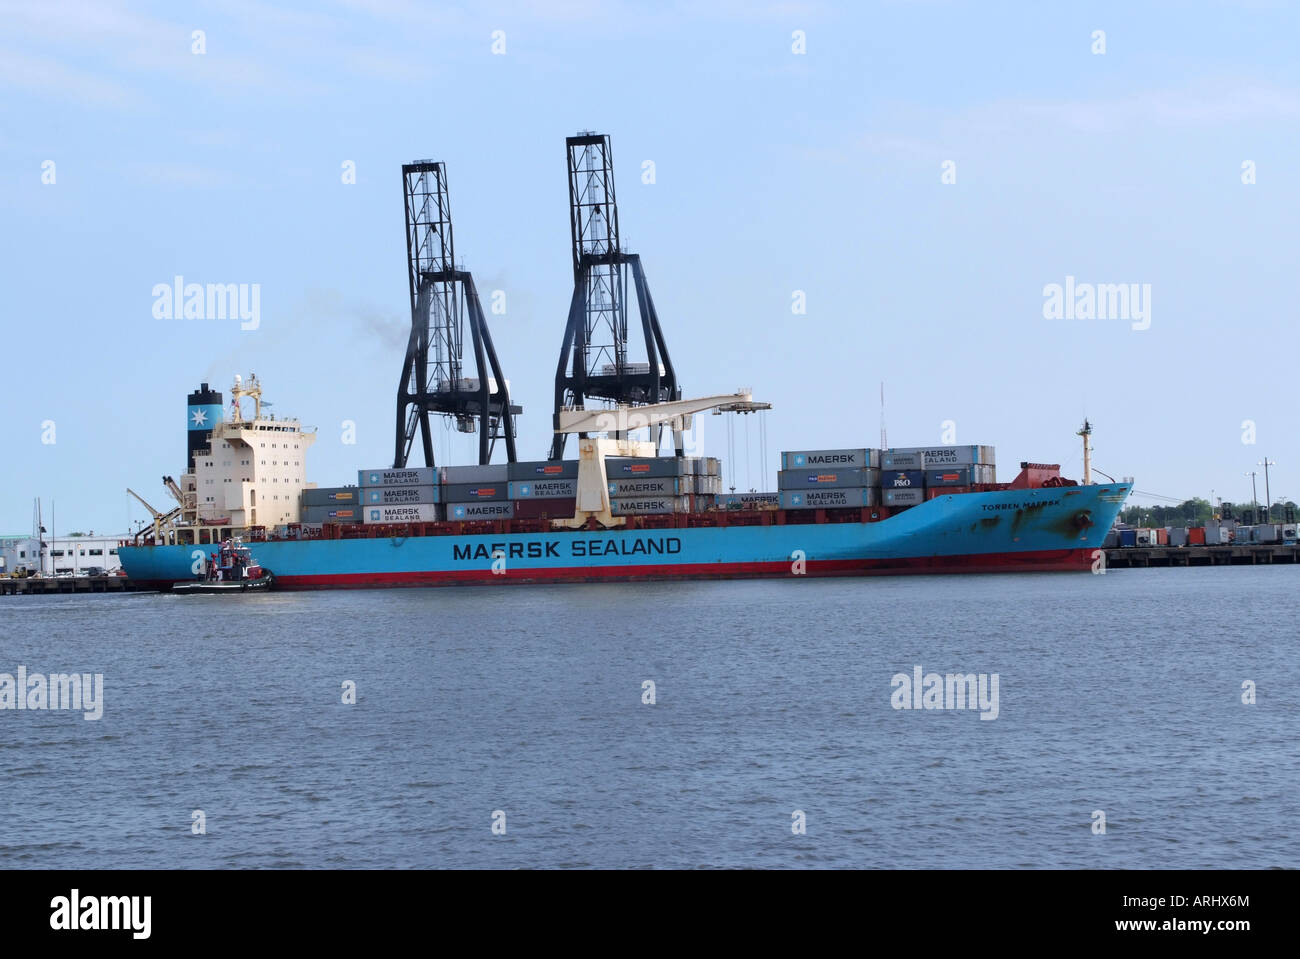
(203, 410)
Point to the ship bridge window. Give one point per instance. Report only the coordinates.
(96, 552)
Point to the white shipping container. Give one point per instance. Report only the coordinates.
(649, 505)
(387, 476)
(418, 513)
(400, 495)
(653, 486)
(480, 511)
(936, 456)
(902, 497)
(835, 459)
(543, 489)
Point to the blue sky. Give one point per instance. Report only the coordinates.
(774, 172)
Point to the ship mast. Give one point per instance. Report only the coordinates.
(1086, 433)
(254, 389)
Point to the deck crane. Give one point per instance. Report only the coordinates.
(443, 298)
(617, 423)
(163, 523)
(594, 361)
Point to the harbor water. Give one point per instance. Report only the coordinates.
(773, 707)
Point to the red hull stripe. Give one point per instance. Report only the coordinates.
(1073, 560)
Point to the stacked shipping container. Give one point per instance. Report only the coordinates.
(547, 489)
(662, 484)
(829, 479)
(897, 477)
(539, 489)
(336, 504)
(400, 495)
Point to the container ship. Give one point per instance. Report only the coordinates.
(619, 510)
(611, 514)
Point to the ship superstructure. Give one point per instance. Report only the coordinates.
(245, 471)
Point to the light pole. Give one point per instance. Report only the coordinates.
(1266, 463)
(1254, 500)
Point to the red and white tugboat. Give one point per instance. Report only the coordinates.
(231, 569)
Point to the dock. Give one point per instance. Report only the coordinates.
(1253, 554)
(54, 585)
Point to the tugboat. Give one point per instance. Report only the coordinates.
(232, 569)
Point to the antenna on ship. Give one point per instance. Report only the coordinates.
(1086, 433)
(884, 442)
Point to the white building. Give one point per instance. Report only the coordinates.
(63, 554)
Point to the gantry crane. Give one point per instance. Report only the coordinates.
(443, 298)
(594, 361)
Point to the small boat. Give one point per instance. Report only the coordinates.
(260, 584)
(232, 569)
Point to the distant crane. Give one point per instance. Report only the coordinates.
(443, 298)
(1254, 498)
(594, 362)
(1268, 495)
(38, 534)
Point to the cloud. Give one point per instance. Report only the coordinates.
(42, 76)
(183, 174)
(917, 133)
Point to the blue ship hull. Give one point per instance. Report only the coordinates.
(1056, 528)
